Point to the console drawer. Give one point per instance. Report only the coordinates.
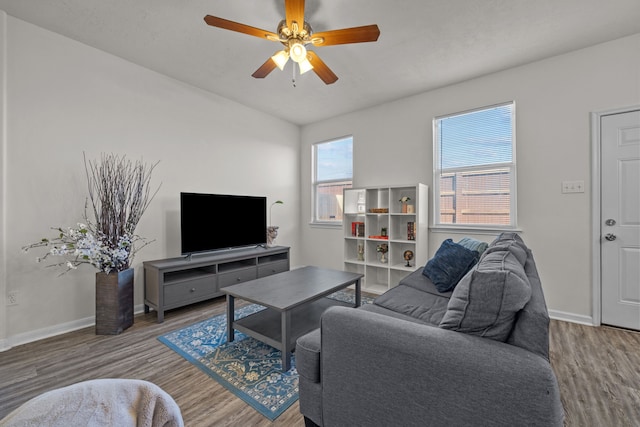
(273, 268)
(236, 276)
(191, 290)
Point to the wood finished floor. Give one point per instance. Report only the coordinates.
(598, 370)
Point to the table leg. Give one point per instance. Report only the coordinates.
(230, 317)
(286, 331)
(358, 293)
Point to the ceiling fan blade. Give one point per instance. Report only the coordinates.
(321, 69)
(264, 69)
(294, 11)
(367, 33)
(214, 21)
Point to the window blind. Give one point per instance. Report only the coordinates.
(483, 137)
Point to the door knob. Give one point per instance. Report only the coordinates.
(610, 237)
(610, 222)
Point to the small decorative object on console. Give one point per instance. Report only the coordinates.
(272, 230)
(272, 233)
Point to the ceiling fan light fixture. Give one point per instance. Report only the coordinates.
(305, 66)
(281, 58)
(298, 52)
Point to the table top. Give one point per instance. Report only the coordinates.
(284, 291)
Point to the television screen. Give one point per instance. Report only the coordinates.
(210, 222)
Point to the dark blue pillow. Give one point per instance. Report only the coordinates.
(450, 263)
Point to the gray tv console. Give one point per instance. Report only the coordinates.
(176, 282)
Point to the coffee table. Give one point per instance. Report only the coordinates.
(295, 300)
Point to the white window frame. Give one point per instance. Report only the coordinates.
(437, 172)
(315, 183)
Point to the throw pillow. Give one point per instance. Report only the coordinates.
(474, 244)
(450, 263)
(487, 300)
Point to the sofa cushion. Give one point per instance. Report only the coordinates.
(374, 308)
(450, 263)
(421, 282)
(424, 306)
(487, 299)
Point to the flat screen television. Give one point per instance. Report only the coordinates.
(211, 222)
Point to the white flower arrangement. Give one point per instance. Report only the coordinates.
(404, 199)
(81, 245)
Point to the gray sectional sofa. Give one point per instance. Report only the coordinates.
(477, 355)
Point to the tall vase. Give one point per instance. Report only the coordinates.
(114, 302)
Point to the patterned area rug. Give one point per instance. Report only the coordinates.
(247, 367)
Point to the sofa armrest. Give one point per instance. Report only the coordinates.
(377, 370)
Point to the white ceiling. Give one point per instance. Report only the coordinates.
(423, 45)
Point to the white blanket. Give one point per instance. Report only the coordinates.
(103, 402)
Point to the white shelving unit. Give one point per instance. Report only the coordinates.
(379, 208)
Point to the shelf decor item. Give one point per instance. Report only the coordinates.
(408, 256)
(411, 230)
(404, 200)
(379, 210)
(272, 230)
(383, 248)
(119, 193)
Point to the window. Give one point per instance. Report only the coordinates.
(474, 168)
(333, 172)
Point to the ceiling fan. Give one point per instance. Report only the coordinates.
(295, 33)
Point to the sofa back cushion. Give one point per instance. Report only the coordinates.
(486, 301)
(513, 243)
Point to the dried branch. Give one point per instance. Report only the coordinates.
(119, 192)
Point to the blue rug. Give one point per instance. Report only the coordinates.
(247, 367)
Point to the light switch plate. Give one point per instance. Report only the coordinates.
(572, 187)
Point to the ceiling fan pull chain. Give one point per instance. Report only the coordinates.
(293, 74)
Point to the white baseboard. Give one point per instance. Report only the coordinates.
(571, 317)
(49, 331)
(52, 331)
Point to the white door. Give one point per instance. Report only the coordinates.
(620, 215)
